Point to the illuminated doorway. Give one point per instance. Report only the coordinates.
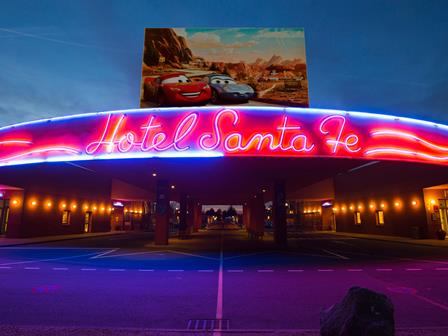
(88, 222)
(4, 215)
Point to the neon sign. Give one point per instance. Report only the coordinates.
(221, 131)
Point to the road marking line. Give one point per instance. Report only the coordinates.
(325, 270)
(235, 271)
(5, 267)
(355, 270)
(60, 268)
(413, 269)
(247, 255)
(441, 269)
(175, 270)
(32, 268)
(191, 254)
(336, 255)
(265, 271)
(50, 259)
(205, 271)
(103, 254)
(434, 303)
(88, 269)
(219, 295)
(125, 254)
(116, 269)
(295, 270)
(146, 270)
(384, 269)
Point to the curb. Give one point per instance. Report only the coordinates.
(388, 240)
(61, 239)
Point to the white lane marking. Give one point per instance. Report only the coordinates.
(60, 269)
(265, 271)
(205, 271)
(340, 256)
(413, 269)
(325, 270)
(235, 271)
(442, 269)
(116, 269)
(146, 270)
(191, 254)
(32, 268)
(219, 296)
(103, 254)
(50, 259)
(5, 267)
(355, 270)
(384, 269)
(88, 269)
(295, 270)
(175, 270)
(125, 254)
(434, 303)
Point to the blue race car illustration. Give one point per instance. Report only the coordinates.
(225, 88)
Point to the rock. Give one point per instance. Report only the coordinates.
(361, 312)
(163, 45)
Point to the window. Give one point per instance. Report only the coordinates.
(357, 218)
(66, 217)
(379, 217)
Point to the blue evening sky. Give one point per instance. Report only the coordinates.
(63, 57)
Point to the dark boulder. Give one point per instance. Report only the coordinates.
(361, 312)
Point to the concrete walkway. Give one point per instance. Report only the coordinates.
(395, 239)
(46, 239)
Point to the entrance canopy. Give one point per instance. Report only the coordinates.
(224, 131)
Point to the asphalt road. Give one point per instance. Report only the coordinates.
(216, 277)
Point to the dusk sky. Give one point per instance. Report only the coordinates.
(66, 57)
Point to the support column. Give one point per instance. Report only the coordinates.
(191, 208)
(197, 221)
(259, 214)
(183, 215)
(279, 213)
(255, 216)
(246, 215)
(161, 230)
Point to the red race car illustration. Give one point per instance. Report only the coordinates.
(174, 89)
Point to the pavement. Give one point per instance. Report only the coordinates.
(125, 285)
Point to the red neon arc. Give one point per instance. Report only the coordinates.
(210, 131)
(409, 136)
(67, 150)
(409, 146)
(15, 142)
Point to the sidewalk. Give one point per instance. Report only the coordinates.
(394, 239)
(4, 242)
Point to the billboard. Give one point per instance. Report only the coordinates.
(211, 66)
